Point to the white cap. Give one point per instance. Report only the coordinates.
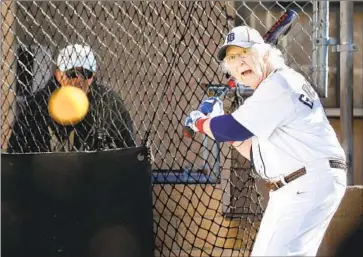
(242, 36)
(76, 56)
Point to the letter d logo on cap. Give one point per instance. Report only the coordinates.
(230, 37)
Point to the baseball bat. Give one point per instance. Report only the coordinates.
(278, 30)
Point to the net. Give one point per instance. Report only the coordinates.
(152, 58)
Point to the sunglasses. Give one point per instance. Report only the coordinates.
(236, 56)
(75, 72)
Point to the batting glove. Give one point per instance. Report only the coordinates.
(192, 119)
(211, 107)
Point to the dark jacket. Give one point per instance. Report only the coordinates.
(107, 125)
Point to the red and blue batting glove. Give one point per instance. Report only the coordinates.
(193, 118)
(211, 107)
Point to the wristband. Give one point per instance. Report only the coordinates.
(199, 124)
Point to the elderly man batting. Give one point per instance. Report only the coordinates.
(282, 128)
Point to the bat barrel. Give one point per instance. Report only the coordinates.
(281, 27)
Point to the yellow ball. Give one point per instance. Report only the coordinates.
(68, 105)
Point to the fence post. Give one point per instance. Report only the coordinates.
(321, 42)
(346, 48)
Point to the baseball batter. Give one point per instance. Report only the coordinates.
(282, 128)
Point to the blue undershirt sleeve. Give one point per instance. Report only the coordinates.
(225, 128)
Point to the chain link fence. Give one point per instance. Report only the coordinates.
(155, 56)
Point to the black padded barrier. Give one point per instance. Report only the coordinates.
(95, 204)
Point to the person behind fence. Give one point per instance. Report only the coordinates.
(282, 128)
(107, 125)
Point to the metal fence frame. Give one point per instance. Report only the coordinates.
(346, 48)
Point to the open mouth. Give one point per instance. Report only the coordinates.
(246, 72)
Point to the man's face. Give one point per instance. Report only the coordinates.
(77, 77)
(246, 68)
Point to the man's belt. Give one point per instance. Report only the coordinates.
(336, 164)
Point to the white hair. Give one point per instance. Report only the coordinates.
(274, 59)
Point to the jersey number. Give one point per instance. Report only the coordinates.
(310, 95)
(306, 100)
